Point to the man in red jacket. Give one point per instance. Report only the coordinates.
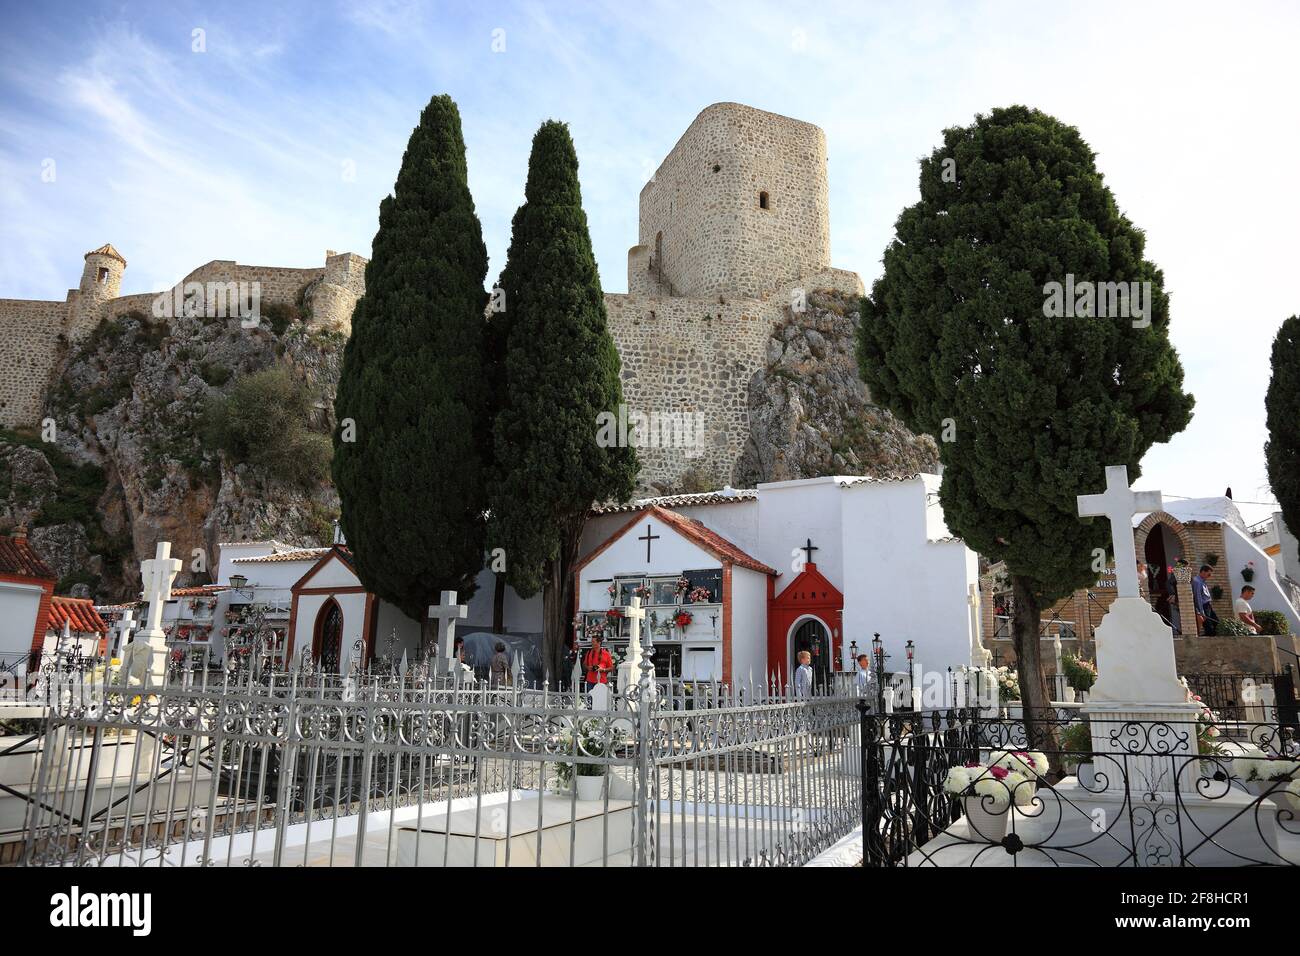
(597, 662)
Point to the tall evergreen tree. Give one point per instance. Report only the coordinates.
(412, 397)
(1282, 413)
(561, 371)
(1027, 407)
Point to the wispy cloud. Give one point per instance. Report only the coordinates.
(280, 138)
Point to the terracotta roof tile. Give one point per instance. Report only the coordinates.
(17, 557)
(297, 554)
(201, 590)
(106, 250)
(79, 613)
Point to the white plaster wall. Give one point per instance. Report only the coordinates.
(19, 605)
(900, 583)
(354, 616)
(389, 620)
(748, 627)
(227, 554)
(1269, 596)
(791, 512)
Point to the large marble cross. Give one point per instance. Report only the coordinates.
(447, 613)
(157, 574)
(1119, 503)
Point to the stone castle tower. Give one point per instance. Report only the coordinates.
(738, 208)
(734, 233)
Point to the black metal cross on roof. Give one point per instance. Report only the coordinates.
(647, 538)
(808, 549)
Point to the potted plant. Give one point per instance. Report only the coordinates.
(1277, 778)
(987, 793)
(699, 595)
(1076, 747)
(589, 738)
(1248, 572)
(1212, 558)
(1009, 689)
(1080, 673)
(644, 592)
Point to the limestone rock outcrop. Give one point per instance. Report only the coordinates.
(810, 414)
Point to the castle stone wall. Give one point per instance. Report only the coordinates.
(681, 356)
(701, 217)
(33, 333)
(30, 339)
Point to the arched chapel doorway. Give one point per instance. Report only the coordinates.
(811, 636)
(1163, 551)
(327, 645)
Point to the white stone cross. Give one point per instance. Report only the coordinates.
(124, 626)
(1119, 503)
(635, 614)
(157, 574)
(447, 614)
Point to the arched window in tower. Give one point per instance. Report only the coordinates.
(762, 200)
(102, 279)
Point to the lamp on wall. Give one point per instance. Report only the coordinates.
(239, 584)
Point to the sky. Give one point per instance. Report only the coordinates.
(184, 132)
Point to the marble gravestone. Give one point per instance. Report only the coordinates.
(157, 575)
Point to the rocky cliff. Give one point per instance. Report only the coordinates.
(135, 457)
(810, 414)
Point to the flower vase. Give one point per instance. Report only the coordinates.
(989, 825)
(590, 788)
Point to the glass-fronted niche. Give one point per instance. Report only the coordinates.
(698, 587)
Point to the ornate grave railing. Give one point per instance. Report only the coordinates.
(329, 770)
(1156, 794)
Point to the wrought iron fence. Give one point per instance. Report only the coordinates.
(294, 769)
(951, 788)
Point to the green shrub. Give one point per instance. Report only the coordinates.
(1232, 627)
(1077, 738)
(215, 375)
(280, 315)
(1272, 622)
(265, 420)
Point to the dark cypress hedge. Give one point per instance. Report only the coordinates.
(412, 485)
(561, 371)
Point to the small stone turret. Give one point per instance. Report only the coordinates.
(101, 281)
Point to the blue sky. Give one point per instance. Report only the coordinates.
(280, 138)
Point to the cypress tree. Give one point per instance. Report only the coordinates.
(412, 402)
(1282, 413)
(1027, 407)
(561, 370)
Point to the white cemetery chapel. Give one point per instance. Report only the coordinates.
(735, 582)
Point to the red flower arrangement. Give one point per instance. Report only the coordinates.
(682, 618)
(613, 613)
